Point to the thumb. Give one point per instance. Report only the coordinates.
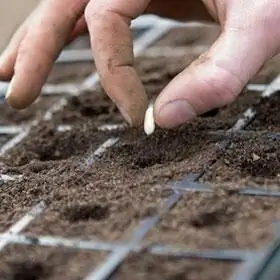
(213, 80)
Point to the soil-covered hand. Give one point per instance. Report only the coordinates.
(250, 35)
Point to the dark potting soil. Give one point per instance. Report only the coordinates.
(95, 210)
(45, 159)
(253, 159)
(95, 107)
(267, 114)
(46, 143)
(9, 116)
(38, 263)
(10, 214)
(108, 199)
(144, 266)
(218, 220)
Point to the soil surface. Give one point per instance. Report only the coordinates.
(125, 186)
(218, 220)
(35, 263)
(39, 157)
(268, 115)
(95, 107)
(140, 267)
(11, 116)
(255, 159)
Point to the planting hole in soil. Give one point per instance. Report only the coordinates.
(94, 107)
(45, 143)
(218, 220)
(35, 263)
(95, 209)
(139, 158)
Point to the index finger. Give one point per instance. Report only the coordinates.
(112, 44)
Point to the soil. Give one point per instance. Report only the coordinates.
(11, 116)
(218, 220)
(39, 157)
(95, 107)
(45, 143)
(35, 263)
(253, 159)
(268, 115)
(112, 197)
(140, 267)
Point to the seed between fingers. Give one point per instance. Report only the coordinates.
(149, 122)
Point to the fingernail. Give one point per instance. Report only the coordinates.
(176, 113)
(125, 115)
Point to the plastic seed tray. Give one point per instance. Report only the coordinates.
(85, 197)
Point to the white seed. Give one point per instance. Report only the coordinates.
(149, 122)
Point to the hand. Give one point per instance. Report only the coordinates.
(29, 57)
(250, 36)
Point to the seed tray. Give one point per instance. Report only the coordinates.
(134, 187)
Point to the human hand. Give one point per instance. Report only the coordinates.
(250, 36)
(29, 57)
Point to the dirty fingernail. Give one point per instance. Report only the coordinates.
(176, 113)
